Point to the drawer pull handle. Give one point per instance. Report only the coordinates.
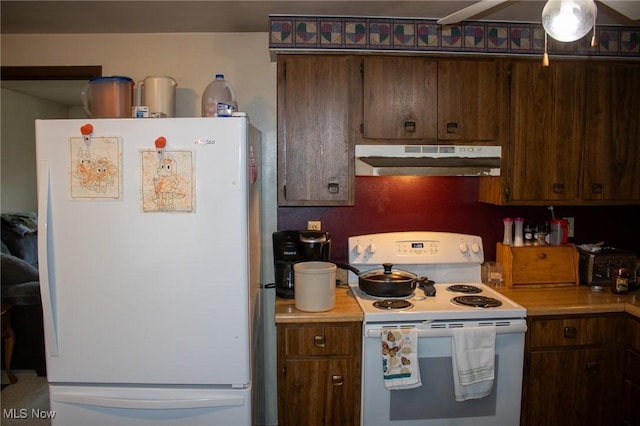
(333, 186)
(318, 341)
(452, 128)
(337, 380)
(570, 332)
(410, 126)
(543, 255)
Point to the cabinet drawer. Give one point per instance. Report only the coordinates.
(567, 332)
(633, 334)
(319, 340)
(630, 398)
(632, 366)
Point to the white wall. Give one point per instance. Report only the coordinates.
(192, 59)
(18, 149)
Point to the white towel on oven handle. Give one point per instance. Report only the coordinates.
(400, 368)
(473, 357)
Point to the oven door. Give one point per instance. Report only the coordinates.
(433, 403)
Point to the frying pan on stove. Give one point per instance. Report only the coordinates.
(387, 282)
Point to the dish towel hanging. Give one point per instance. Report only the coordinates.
(400, 368)
(473, 356)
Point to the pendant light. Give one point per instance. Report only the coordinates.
(568, 20)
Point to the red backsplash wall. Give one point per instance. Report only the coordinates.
(449, 204)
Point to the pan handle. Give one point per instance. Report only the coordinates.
(347, 267)
(338, 265)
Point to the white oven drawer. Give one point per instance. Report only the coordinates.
(444, 329)
(433, 403)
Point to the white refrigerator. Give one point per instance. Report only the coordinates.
(149, 257)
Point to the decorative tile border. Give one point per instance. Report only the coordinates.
(425, 35)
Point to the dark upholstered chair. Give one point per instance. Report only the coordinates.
(21, 288)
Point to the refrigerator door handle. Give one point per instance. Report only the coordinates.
(151, 404)
(47, 286)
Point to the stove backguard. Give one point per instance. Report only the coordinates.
(439, 256)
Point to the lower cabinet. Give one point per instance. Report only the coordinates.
(631, 391)
(573, 370)
(319, 373)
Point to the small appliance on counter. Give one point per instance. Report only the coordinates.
(291, 247)
(597, 265)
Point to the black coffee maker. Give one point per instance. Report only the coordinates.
(291, 247)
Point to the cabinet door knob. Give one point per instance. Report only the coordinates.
(596, 188)
(570, 332)
(558, 188)
(337, 380)
(318, 341)
(410, 126)
(452, 128)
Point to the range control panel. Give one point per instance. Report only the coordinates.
(419, 247)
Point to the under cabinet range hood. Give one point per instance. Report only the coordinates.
(428, 160)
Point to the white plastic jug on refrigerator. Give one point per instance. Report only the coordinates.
(149, 257)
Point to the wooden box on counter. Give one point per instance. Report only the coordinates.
(539, 266)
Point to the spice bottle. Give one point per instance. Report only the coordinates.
(543, 234)
(507, 240)
(620, 280)
(518, 239)
(528, 235)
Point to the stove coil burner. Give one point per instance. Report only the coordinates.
(393, 304)
(477, 301)
(464, 288)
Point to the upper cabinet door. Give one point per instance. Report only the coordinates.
(399, 98)
(315, 129)
(547, 130)
(468, 100)
(612, 140)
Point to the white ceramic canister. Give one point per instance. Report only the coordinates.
(158, 92)
(314, 286)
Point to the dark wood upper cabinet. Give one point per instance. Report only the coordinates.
(612, 138)
(469, 100)
(547, 130)
(399, 98)
(316, 129)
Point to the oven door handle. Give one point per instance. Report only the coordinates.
(448, 332)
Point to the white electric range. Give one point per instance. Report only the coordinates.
(453, 263)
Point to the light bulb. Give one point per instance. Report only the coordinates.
(568, 20)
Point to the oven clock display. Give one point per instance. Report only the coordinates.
(420, 248)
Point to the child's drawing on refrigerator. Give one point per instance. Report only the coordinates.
(95, 168)
(167, 181)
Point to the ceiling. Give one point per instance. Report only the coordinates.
(157, 16)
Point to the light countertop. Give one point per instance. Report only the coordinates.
(537, 301)
(573, 300)
(346, 310)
